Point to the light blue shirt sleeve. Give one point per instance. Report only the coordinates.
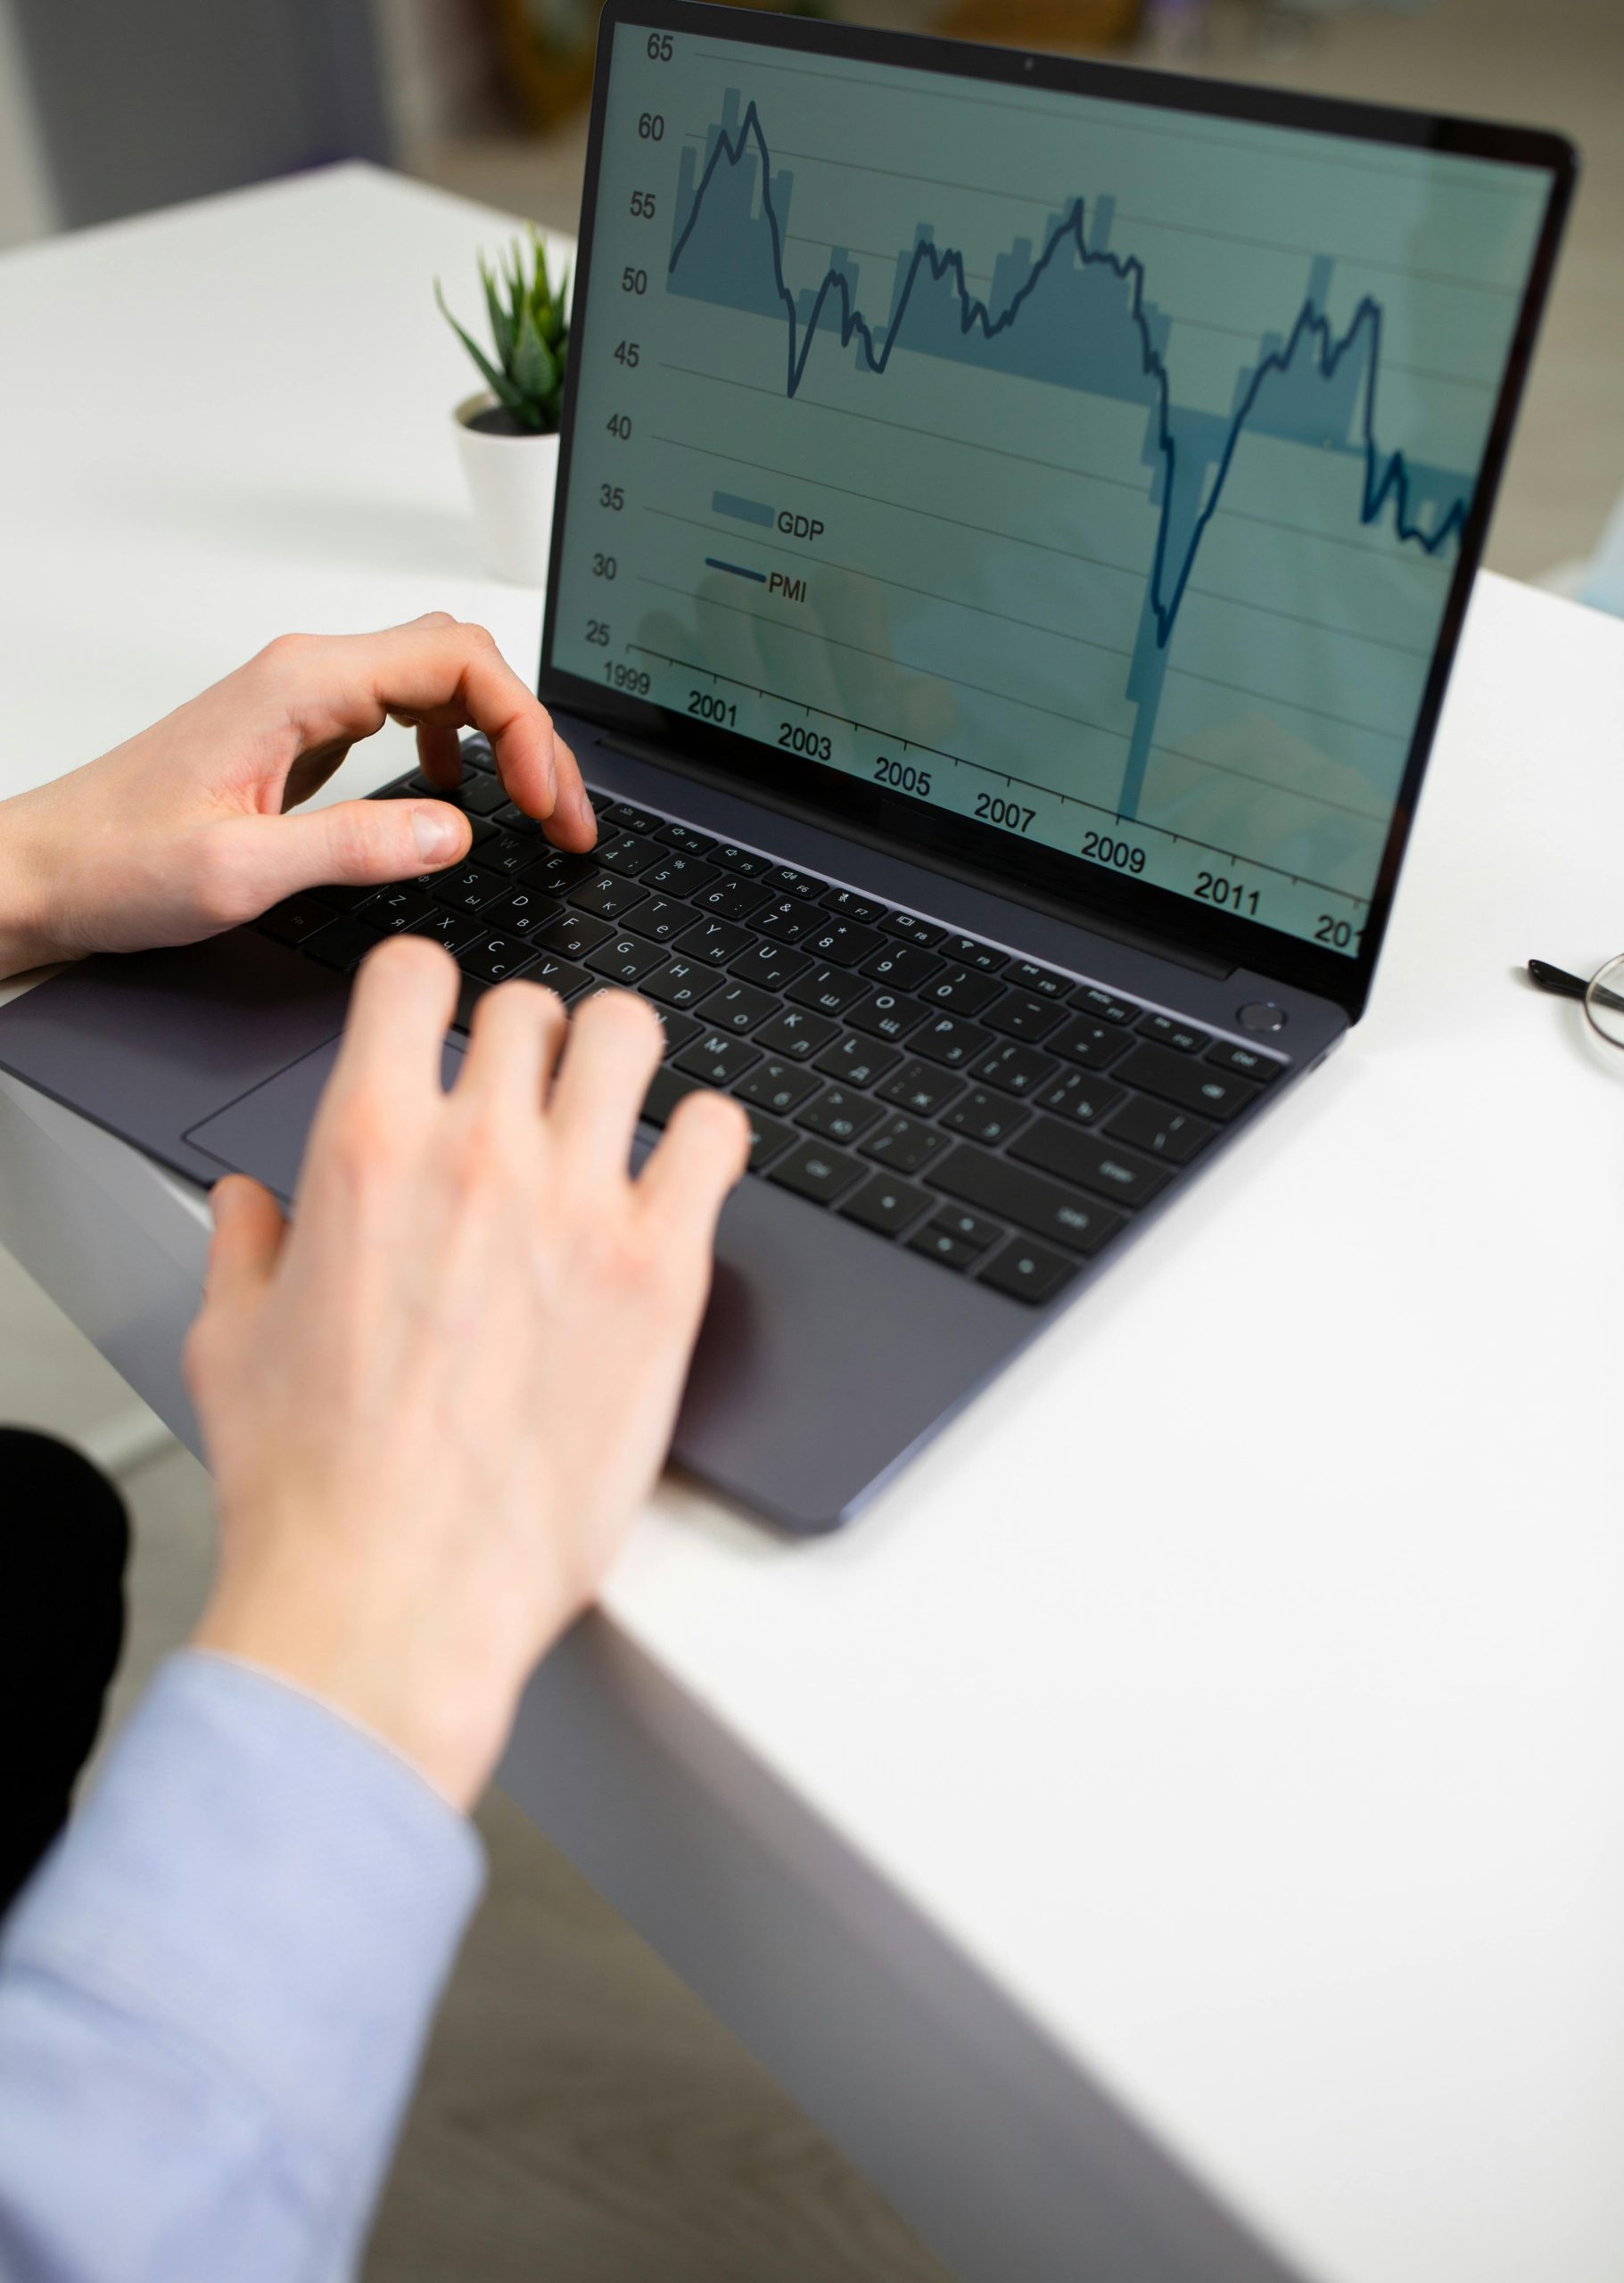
(215, 1992)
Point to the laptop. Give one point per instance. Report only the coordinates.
(1014, 524)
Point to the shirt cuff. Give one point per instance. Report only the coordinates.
(257, 1876)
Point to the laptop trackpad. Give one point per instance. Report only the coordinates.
(263, 1132)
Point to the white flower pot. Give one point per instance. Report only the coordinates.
(511, 481)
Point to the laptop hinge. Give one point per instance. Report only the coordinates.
(1053, 907)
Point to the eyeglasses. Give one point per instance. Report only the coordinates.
(1604, 995)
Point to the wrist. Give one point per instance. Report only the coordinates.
(28, 882)
(385, 1652)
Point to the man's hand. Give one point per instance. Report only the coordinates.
(183, 831)
(433, 1405)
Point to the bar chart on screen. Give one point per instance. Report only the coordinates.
(1094, 475)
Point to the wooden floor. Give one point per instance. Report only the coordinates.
(581, 2118)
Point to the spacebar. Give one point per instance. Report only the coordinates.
(1042, 1205)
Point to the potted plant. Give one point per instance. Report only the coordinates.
(507, 431)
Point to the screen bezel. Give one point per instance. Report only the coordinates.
(1088, 890)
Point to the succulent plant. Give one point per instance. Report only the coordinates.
(532, 335)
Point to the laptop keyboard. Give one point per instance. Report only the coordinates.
(1004, 1119)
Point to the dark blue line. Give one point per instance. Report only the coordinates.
(1382, 481)
(714, 563)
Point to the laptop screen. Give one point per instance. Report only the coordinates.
(1095, 471)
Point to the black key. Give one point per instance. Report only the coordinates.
(1027, 1199)
(393, 909)
(1096, 1045)
(731, 899)
(498, 958)
(857, 1061)
(1042, 981)
(1028, 1271)
(829, 989)
(679, 875)
(1171, 1133)
(903, 1144)
(679, 1029)
(887, 1205)
(887, 1013)
(299, 917)
(482, 833)
(344, 899)
(478, 796)
(917, 1087)
(1016, 1068)
(739, 1007)
(465, 888)
(625, 818)
(903, 968)
(558, 975)
(964, 993)
(1020, 1015)
(1092, 1163)
(505, 853)
(523, 910)
(843, 941)
(626, 958)
(744, 861)
(964, 951)
(627, 853)
(476, 752)
(968, 1227)
(683, 984)
(607, 897)
(475, 795)
(850, 905)
(1246, 1062)
(1078, 1095)
(457, 930)
(666, 1089)
(777, 1086)
(1171, 1032)
(1103, 1004)
(925, 933)
(769, 1138)
(784, 879)
(983, 1116)
(684, 836)
(714, 940)
(795, 1033)
(346, 943)
(839, 1114)
(814, 1170)
(939, 1243)
(769, 964)
(717, 1058)
(659, 918)
(951, 1041)
(786, 920)
(573, 934)
(1193, 1085)
(511, 818)
(556, 871)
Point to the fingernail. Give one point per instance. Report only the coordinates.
(437, 830)
(584, 810)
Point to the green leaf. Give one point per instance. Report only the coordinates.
(535, 369)
(504, 389)
(501, 328)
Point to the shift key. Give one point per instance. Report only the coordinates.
(1012, 1193)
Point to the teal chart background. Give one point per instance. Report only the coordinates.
(1093, 470)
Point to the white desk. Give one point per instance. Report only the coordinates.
(1207, 1763)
